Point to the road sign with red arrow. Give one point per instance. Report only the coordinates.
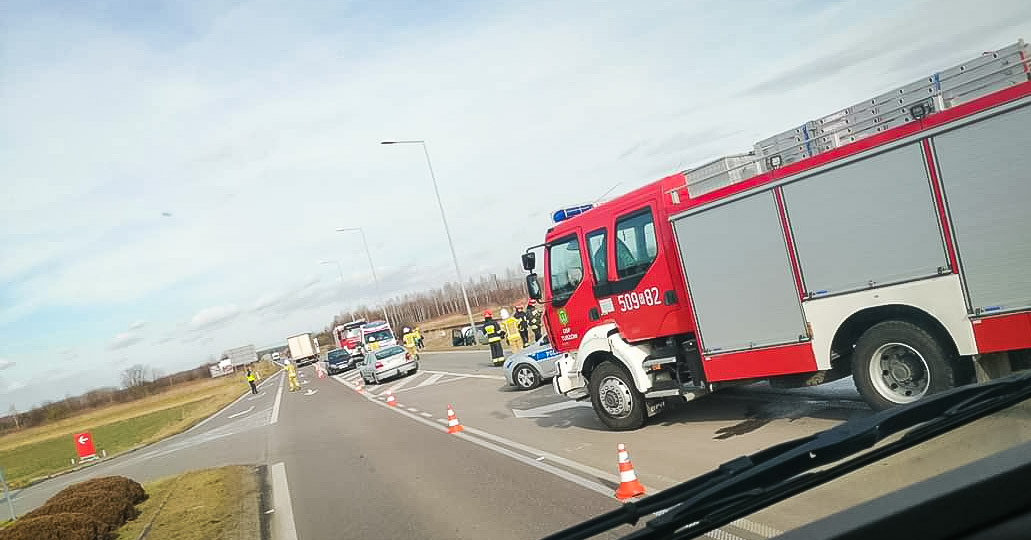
(84, 444)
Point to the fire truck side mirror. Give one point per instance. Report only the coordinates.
(529, 261)
(533, 286)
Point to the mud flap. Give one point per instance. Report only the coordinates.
(654, 406)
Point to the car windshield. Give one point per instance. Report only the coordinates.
(379, 335)
(739, 224)
(389, 351)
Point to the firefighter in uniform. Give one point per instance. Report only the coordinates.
(511, 325)
(524, 326)
(492, 330)
(418, 339)
(534, 317)
(291, 375)
(409, 339)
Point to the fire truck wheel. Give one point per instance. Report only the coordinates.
(615, 398)
(898, 362)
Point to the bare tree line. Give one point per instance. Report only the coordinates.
(487, 291)
(138, 381)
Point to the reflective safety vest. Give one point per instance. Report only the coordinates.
(535, 319)
(409, 339)
(492, 330)
(250, 377)
(512, 328)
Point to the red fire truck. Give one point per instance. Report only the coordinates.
(349, 336)
(889, 241)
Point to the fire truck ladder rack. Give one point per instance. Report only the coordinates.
(988, 73)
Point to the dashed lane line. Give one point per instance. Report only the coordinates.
(283, 519)
(279, 399)
(473, 375)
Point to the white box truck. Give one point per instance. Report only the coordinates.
(302, 350)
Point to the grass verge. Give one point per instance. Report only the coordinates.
(38, 452)
(199, 505)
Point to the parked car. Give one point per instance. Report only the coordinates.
(339, 361)
(527, 368)
(387, 362)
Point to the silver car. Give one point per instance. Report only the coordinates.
(527, 368)
(385, 363)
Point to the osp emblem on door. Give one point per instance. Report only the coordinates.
(562, 317)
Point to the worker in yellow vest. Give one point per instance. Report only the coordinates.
(409, 339)
(492, 331)
(418, 339)
(515, 341)
(250, 380)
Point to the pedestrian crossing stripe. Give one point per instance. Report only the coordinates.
(419, 379)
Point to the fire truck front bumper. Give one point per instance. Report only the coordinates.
(567, 381)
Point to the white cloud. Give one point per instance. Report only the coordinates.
(213, 316)
(136, 325)
(123, 340)
(5, 363)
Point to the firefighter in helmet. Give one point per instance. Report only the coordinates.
(511, 325)
(492, 330)
(524, 325)
(409, 338)
(533, 317)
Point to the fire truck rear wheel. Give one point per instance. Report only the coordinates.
(899, 362)
(615, 398)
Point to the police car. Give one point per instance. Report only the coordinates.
(527, 368)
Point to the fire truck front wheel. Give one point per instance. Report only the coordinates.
(899, 362)
(615, 398)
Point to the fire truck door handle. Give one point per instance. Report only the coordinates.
(669, 298)
(593, 314)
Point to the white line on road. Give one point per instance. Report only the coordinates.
(474, 375)
(426, 414)
(480, 351)
(431, 380)
(403, 382)
(413, 409)
(283, 520)
(279, 398)
(231, 416)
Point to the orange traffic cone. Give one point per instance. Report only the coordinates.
(453, 425)
(390, 398)
(629, 486)
(358, 386)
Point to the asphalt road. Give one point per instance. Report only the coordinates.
(345, 465)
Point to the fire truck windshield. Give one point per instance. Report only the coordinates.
(566, 267)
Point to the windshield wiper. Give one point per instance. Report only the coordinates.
(749, 483)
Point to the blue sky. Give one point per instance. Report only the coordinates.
(255, 126)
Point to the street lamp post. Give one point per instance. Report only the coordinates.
(447, 230)
(372, 267)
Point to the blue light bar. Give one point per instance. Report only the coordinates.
(566, 213)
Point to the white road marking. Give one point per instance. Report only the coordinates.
(283, 519)
(241, 413)
(426, 414)
(413, 409)
(545, 410)
(402, 382)
(279, 398)
(310, 392)
(466, 351)
(473, 375)
(432, 379)
(256, 396)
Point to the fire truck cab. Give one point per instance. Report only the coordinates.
(899, 255)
